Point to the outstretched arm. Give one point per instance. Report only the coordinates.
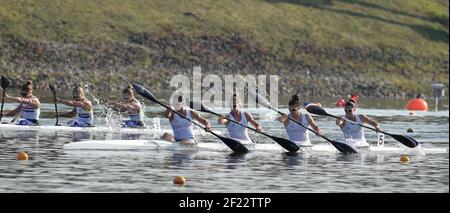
(223, 120)
(371, 122)
(283, 118)
(253, 122)
(313, 124)
(117, 107)
(70, 114)
(169, 114)
(33, 102)
(202, 120)
(74, 103)
(340, 122)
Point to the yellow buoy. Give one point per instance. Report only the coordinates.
(179, 180)
(404, 158)
(22, 156)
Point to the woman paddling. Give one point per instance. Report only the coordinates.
(297, 133)
(82, 108)
(354, 134)
(234, 130)
(133, 107)
(29, 106)
(183, 129)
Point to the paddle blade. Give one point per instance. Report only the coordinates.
(4, 82)
(234, 145)
(317, 110)
(286, 144)
(343, 147)
(52, 89)
(144, 92)
(405, 140)
(259, 99)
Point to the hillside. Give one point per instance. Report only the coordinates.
(385, 48)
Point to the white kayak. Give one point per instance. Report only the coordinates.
(155, 144)
(93, 129)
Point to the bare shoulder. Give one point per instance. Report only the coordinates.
(308, 116)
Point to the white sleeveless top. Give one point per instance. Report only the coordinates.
(84, 116)
(136, 116)
(354, 134)
(236, 131)
(297, 133)
(182, 128)
(30, 113)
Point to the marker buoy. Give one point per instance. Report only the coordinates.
(404, 158)
(22, 156)
(409, 130)
(179, 180)
(417, 104)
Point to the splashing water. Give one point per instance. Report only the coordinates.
(111, 118)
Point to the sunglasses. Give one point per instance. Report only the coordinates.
(293, 109)
(23, 94)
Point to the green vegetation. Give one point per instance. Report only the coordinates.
(398, 41)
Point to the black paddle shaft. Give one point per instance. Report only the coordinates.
(234, 145)
(292, 119)
(288, 145)
(4, 84)
(361, 125)
(233, 121)
(3, 101)
(405, 140)
(248, 127)
(342, 147)
(56, 105)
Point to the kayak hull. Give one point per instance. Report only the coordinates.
(165, 145)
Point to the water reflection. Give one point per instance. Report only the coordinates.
(293, 159)
(181, 157)
(235, 159)
(78, 136)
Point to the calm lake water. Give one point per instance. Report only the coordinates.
(52, 169)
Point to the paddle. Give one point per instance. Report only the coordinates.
(4, 84)
(56, 105)
(404, 139)
(234, 145)
(283, 142)
(342, 147)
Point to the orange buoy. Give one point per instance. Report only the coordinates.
(417, 104)
(22, 156)
(404, 158)
(179, 180)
